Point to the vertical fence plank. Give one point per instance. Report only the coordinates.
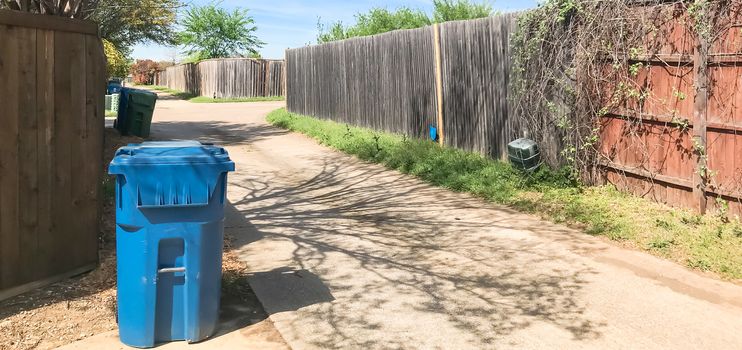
(9, 90)
(63, 240)
(438, 82)
(28, 155)
(45, 145)
(94, 79)
(77, 139)
(700, 62)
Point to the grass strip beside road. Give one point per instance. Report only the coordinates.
(204, 99)
(705, 242)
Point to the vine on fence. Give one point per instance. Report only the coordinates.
(575, 61)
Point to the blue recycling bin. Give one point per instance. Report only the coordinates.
(114, 87)
(169, 236)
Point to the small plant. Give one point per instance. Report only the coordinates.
(660, 243)
(723, 209)
(376, 143)
(699, 263)
(663, 224)
(737, 231)
(678, 94)
(681, 123)
(348, 133)
(635, 53)
(693, 220)
(635, 68)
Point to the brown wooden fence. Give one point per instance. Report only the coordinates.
(225, 78)
(681, 144)
(388, 82)
(52, 84)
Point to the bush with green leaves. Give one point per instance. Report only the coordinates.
(117, 65)
(381, 20)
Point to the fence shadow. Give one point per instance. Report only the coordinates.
(223, 133)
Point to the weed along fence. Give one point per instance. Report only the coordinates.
(395, 82)
(679, 141)
(53, 80)
(226, 78)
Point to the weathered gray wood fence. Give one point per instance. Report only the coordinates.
(52, 86)
(388, 82)
(385, 82)
(225, 78)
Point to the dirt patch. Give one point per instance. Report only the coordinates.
(84, 306)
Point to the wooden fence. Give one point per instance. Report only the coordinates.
(682, 146)
(385, 82)
(225, 78)
(52, 86)
(395, 81)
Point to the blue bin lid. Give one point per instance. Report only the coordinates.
(170, 153)
(172, 173)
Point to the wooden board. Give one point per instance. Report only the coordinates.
(10, 257)
(59, 24)
(45, 110)
(28, 175)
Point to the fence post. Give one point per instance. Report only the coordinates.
(438, 80)
(700, 68)
(267, 77)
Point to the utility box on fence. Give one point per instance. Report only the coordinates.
(170, 200)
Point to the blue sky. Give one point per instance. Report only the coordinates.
(284, 24)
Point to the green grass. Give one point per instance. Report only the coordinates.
(111, 114)
(203, 99)
(709, 243)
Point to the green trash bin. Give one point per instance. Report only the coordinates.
(139, 110)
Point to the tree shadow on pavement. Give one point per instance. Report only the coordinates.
(214, 132)
(455, 262)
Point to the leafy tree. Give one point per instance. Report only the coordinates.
(128, 22)
(449, 10)
(124, 23)
(375, 21)
(143, 71)
(380, 20)
(116, 63)
(212, 32)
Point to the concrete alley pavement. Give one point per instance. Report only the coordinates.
(345, 254)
